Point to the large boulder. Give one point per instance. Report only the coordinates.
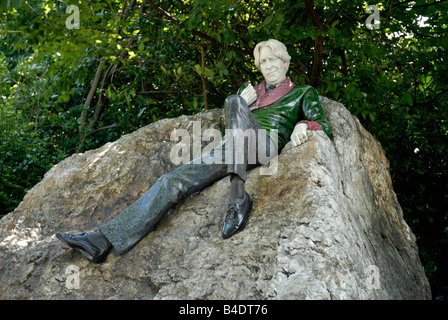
(325, 225)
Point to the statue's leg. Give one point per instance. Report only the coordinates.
(246, 141)
(241, 126)
(136, 221)
(244, 138)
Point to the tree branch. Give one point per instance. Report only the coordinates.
(204, 83)
(432, 99)
(330, 20)
(105, 128)
(309, 6)
(96, 81)
(185, 4)
(163, 91)
(318, 45)
(197, 33)
(399, 5)
(385, 23)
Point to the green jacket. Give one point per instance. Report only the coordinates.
(287, 105)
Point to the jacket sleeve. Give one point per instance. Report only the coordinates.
(313, 112)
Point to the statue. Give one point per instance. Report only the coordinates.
(275, 105)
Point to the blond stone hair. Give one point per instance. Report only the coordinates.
(277, 47)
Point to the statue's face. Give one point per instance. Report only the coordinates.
(273, 69)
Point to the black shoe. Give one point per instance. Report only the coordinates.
(94, 246)
(236, 217)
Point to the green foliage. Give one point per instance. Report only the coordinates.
(154, 59)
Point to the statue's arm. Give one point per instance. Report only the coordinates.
(313, 113)
(314, 118)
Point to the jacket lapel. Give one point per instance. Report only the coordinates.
(264, 99)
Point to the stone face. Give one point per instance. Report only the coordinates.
(326, 225)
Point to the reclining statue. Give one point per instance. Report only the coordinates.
(276, 110)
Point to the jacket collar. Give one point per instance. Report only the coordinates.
(266, 98)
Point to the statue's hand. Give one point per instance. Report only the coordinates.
(249, 94)
(299, 135)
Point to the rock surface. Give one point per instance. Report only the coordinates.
(326, 225)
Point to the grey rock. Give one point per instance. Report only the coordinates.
(326, 225)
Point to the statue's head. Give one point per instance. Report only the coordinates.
(272, 58)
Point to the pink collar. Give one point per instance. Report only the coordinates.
(265, 99)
